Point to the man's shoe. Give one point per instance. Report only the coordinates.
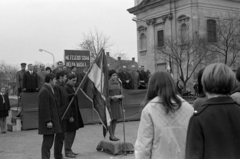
(75, 153)
(70, 155)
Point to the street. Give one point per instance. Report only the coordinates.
(27, 144)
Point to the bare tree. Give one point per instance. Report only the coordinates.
(185, 53)
(94, 41)
(9, 71)
(226, 49)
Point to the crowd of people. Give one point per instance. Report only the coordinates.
(169, 126)
(134, 79)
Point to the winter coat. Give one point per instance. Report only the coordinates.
(47, 112)
(214, 131)
(7, 103)
(162, 135)
(62, 99)
(78, 122)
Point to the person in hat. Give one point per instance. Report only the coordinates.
(19, 77)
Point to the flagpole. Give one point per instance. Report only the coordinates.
(123, 111)
(85, 76)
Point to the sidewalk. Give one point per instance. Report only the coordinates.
(27, 144)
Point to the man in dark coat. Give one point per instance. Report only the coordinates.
(30, 80)
(143, 78)
(62, 100)
(125, 77)
(48, 117)
(19, 77)
(77, 123)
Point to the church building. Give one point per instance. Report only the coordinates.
(157, 20)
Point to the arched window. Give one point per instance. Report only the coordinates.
(184, 32)
(143, 42)
(212, 30)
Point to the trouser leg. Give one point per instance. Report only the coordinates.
(69, 139)
(47, 145)
(58, 143)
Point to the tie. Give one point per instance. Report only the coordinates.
(52, 90)
(3, 99)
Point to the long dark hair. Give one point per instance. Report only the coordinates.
(161, 84)
(200, 86)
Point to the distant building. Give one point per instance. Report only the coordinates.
(117, 64)
(158, 19)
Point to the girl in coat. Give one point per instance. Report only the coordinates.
(163, 126)
(4, 108)
(115, 95)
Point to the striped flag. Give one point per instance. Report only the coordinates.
(95, 88)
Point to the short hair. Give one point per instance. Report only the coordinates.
(71, 76)
(60, 74)
(48, 68)
(59, 62)
(218, 78)
(49, 77)
(238, 74)
(73, 67)
(161, 84)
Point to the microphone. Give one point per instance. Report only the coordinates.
(119, 80)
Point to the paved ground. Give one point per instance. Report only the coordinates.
(27, 144)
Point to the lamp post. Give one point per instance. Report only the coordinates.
(41, 50)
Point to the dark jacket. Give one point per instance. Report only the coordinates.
(62, 99)
(7, 103)
(47, 111)
(124, 76)
(78, 122)
(214, 131)
(30, 82)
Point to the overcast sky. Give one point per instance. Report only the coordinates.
(55, 25)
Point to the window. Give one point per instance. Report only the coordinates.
(212, 30)
(160, 38)
(184, 32)
(143, 42)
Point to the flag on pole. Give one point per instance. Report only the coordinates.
(95, 88)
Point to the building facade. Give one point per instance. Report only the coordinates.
(157, 20)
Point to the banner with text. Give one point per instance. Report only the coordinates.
(78, 58)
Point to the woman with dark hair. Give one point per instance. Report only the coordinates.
(164, 120)
(213, 130)
(115, 96)
(48, 70)
(201, 95)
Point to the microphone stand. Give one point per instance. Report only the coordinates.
(123, 111)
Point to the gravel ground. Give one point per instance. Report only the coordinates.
(27, 144)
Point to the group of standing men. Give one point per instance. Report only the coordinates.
(57, 122)
(134, 79)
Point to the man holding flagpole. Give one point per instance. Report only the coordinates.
(62, 100)
(96, 89)
(77, 123)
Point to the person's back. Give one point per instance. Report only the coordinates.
(218, 121)
(170, 131)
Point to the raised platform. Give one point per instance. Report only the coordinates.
(115, 147)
